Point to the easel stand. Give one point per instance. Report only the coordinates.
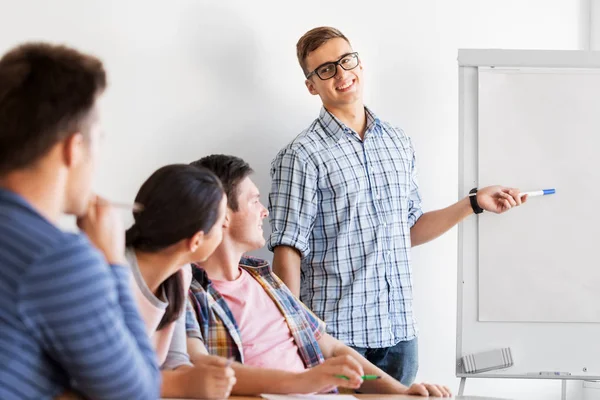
(563, 379)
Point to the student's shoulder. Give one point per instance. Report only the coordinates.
(393, 130)
(67, 273)
(75, 243)
(66, 254)
(398, 135)
(27, 233)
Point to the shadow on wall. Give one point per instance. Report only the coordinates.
(235, 112)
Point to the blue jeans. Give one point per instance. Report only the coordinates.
(400, 361)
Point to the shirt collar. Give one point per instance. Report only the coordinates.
(252, 264)
(336, 128)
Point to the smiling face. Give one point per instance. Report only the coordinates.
(345, 87)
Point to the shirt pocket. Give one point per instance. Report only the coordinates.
(340, 184)
(344, 197)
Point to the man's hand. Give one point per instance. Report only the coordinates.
(105, 230)
(68, 395)
(213, 378)
(428, 389)
(322, 378)
(498, 199)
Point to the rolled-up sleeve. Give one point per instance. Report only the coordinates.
(414, 199)
(292, 201)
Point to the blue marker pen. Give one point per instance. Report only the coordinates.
(543, 192)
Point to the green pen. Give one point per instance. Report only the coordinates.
(364, 377)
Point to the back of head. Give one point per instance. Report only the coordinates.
(314, 39)
(230, 170)
(46, 93)
(178, 201)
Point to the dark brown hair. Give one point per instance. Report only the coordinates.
(179, 200)
(231, 171)
(46, 93)
(314, 39)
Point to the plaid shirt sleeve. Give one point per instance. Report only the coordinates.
(316, 325)
(414, 201)
(292, 201)
(192, 327)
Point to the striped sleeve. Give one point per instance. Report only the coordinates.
(86, 319)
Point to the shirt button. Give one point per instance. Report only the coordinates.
(389, 253)
(384, 224)
(377, 197)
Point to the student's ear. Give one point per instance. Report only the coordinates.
(196, 241)
(227, 220)
(311, 87)
(74, 150)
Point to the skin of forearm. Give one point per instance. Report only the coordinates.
(435, 223)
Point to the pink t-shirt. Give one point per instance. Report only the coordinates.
(266, 338)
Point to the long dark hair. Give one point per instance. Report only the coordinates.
(178, 201)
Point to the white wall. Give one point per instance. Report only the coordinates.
(593, 8)
(190, 78)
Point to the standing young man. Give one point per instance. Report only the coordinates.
(345, 210)
(67, 318)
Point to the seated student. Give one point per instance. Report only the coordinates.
(241, 309)
(68, 320)
(181, 222)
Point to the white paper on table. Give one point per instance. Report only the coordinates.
(307, 396)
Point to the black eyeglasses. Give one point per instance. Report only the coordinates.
(329, 69)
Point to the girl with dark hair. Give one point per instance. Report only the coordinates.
(181, 223)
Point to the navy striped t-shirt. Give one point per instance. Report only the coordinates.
(67, 318)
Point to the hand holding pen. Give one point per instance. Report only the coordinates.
(104, 228)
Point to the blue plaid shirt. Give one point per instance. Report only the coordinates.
(348, 205)
(209, 318)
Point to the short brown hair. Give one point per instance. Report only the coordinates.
(46, 91)
(314, 39)
(230, 170)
